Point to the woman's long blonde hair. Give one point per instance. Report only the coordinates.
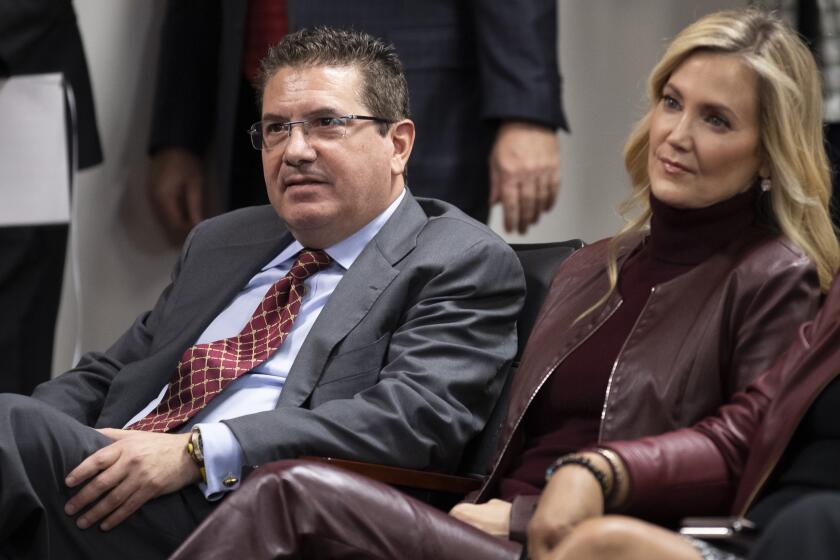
(790, 132)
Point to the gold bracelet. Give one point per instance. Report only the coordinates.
(195, 449)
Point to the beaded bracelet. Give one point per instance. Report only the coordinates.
(585, 463)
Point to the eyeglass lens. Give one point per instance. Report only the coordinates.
(272, 134)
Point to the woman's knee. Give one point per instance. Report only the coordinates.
(291, 479)
(298, 474)
(603, 538)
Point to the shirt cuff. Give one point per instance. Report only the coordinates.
(223, 459)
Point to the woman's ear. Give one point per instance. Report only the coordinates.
(764, 171)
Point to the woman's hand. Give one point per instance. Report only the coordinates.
(572, 495)
(491, 517)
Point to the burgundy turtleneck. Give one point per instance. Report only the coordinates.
(565, 415)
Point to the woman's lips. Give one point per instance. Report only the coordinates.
(674, 167)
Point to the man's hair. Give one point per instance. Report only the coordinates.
(384, 88)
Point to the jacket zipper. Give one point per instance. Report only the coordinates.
(615, 365)
(771, 466)
(545, 378)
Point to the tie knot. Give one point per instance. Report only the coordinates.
(308, 262)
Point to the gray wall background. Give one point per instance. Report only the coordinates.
(119, 260)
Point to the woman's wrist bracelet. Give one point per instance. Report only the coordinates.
(576, 459)
(613, 460)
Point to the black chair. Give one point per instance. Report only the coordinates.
(540, 262)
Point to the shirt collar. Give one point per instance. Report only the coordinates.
(346, 251)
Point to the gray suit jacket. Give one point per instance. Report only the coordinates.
(402, 366)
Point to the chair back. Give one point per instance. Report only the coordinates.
(540, 262)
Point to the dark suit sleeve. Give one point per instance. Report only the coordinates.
(187, 76)
(517, 60)
(81, 391)
(446, 362)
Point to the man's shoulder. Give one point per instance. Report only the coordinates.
(430, 238)
(245, 225)
(456, 229)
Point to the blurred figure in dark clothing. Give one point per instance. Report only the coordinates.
(483, 79)
(39, 36)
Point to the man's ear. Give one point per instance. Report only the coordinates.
(402, 135)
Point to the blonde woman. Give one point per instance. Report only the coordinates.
(641, 334)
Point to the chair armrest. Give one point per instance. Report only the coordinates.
(409, 478)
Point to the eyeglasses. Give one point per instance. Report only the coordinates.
(271, 134)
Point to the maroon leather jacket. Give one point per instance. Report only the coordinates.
(700, 337)
(696, 471)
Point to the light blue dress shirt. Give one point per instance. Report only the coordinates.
(259, 389)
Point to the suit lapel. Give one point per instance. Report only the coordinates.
(369, 276)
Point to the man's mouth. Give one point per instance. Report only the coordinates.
(302, 181)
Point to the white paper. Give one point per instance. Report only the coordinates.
(34, 171)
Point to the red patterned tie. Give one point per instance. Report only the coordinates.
(206, 369)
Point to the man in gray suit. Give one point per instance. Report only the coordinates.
(362, 323)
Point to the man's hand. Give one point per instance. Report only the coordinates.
(176, 191)
(126, 474)
(524, 172)
(572, 495)
(491, 517)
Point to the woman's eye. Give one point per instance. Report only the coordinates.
(717, 121)
(669, 102)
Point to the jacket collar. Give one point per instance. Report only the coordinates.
(353, 298)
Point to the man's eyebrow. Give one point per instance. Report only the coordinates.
(273, 117)
(319, 112)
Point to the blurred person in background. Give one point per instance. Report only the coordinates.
(39, 37)
(818, 22)
(483, 79)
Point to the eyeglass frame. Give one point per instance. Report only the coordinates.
(255, 131)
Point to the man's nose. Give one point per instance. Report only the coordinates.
(298, 148)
